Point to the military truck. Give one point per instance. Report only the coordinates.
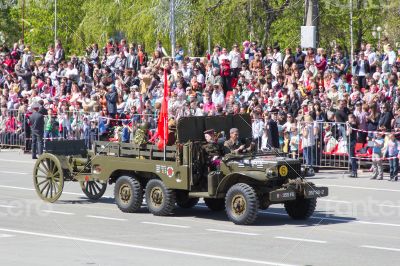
(179, 174)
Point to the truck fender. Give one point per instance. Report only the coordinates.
(240, 177)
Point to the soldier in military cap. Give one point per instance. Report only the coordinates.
(212, 149)
(233, 145)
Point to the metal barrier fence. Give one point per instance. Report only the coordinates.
(15, 131)
(330, 148)
(12, 129)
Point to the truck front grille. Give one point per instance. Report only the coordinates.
(293, 170)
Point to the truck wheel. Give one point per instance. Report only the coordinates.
(301, 208)
(241, 204)
(183, 200)
(160, 200)
(215, 204)
(128, 194)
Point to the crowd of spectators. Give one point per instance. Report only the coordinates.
(292, 96)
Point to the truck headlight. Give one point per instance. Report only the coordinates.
(272, 172)
(96, 169)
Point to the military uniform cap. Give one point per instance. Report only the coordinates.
(209, 131)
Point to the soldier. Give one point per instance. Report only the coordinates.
(141, 134)
(233, 145)
(212, 150)
(171, 140)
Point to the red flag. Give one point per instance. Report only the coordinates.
(163, 118)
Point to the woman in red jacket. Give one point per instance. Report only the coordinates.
(321, 65)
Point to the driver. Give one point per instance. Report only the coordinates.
(233, 145)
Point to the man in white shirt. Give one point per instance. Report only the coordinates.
(71, 72)
(133, 100)
(217, 96)
(199, 76)
(391, 56)
(186, 71)
(223, 56)
(235, 59)
(257, 128)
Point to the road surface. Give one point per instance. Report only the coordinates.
(358, 224)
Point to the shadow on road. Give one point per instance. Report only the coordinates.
(270, 217)
(84, 200)
(273, 217)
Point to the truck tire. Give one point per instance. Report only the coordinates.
(215, 204)
(241, 204)
(301, 208)
(128, 194)
(160, 200)
(183, 200)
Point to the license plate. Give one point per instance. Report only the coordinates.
(315, 192)
(282, 195)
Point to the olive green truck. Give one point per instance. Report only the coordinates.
(179, 175)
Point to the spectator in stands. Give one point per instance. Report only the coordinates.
(112, 90)
(111, 97)
(362, 68)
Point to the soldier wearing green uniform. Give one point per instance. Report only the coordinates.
(212, 150)
(141, 134)
(233, 145)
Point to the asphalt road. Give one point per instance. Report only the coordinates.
(358, 224)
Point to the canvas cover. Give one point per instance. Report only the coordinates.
(192, 128)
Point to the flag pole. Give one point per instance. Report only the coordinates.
(165, 136)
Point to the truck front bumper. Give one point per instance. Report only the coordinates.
(307, 191)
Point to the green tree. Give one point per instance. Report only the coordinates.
(82, 22)
(39, 22)
(8, 27)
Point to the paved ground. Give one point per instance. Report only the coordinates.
(358, 224)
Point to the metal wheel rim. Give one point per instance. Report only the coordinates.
(156, 196)
(239, 205)
(125, 193)
(48, 178)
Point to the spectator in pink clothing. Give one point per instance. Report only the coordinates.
(208, 105)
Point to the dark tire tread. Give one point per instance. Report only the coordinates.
(252, 203)
(301, 208)
(188, 203)
(215, 204)
(169, 198)
(137, 192)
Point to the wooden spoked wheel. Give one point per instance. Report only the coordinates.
(94, 190)
(48, 177)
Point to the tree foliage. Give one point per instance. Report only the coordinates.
(82, 22)
(39, 22)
